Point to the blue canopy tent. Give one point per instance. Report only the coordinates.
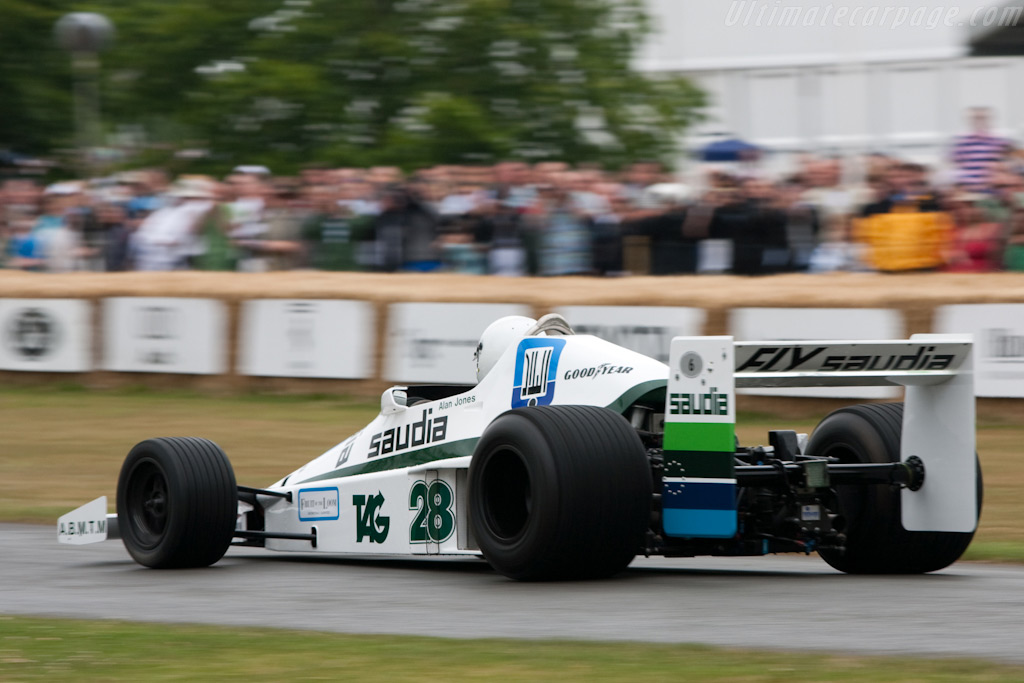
(732, 149)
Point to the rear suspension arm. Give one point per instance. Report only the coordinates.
(909, 473)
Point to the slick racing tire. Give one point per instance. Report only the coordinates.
(559, 492)
(876, 542)
(177, 503)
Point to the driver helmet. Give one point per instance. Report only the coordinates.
(498, 336)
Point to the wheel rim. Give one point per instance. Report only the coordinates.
(148, 503)
(507, 494)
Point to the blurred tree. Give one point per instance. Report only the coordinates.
(405, 82)
(35, 78)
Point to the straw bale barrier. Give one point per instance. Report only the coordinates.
(916, 295)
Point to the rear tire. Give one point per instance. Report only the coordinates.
(177, 503)
(876, 541)
(559, 492)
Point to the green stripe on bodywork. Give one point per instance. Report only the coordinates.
(455, 449)
(700, 436)
(703, 464)
(620, 404)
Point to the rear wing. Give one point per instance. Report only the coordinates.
(924, 360)
(938, 418)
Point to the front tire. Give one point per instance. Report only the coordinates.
(559, 492)
(876, 542)
(177, 503)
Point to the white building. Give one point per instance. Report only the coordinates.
(847, 76)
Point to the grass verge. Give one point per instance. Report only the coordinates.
(59, 650)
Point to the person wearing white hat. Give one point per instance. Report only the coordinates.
(56, 246)
(167, 238)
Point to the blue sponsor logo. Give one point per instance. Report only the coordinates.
(536, 371)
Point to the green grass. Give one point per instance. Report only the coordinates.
(981, 550)
(65, 650)
(61, 447)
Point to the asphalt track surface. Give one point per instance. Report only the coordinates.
(791, 603)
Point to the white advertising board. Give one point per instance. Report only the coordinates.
(45, 335)
(644, 329)
(165, 334)
(435, 342)
(802, 324)
(998, 331)
(306, 338)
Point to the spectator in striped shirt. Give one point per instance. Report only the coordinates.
(977, 154)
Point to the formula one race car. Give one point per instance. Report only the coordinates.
(572, 455)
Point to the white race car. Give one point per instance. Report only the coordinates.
(572, 455)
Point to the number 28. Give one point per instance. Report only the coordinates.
(434, 521)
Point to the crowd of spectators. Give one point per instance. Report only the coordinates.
(546, 219)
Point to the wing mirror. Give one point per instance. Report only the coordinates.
(393, 401)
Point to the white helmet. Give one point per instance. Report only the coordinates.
(498, 336)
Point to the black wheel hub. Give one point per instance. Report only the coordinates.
(507, 495)
(148, 503)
